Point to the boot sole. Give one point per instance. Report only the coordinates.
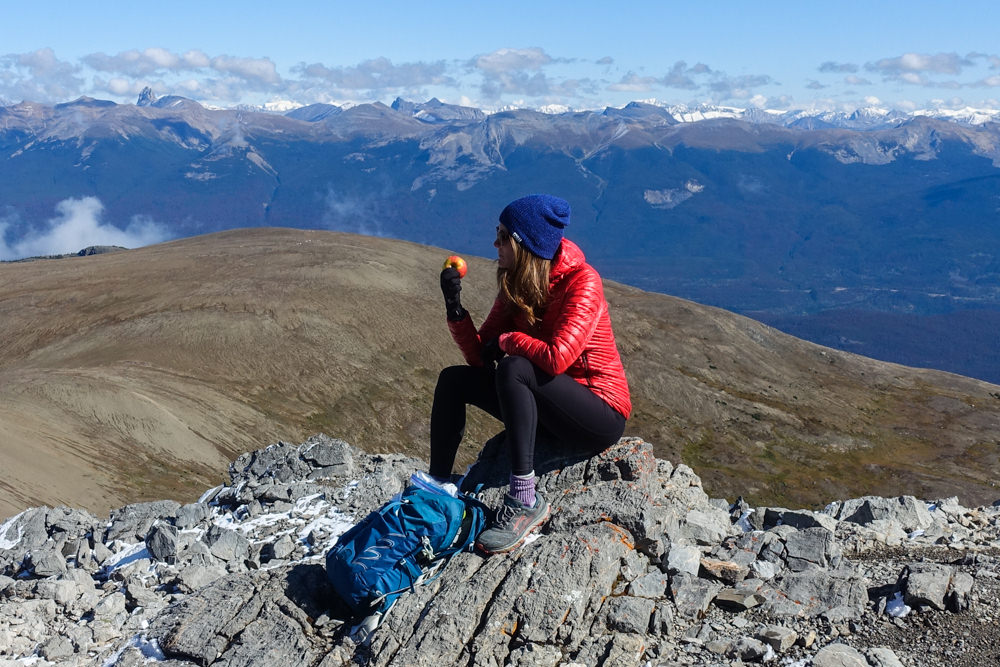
(532, 528)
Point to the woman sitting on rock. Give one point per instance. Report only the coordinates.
(545, 355)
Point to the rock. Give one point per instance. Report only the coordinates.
(958, 597)
(331, 458)
(132, 522)
(663, 618)
(191, 515)
(46, 561)
(926, 585)
(835, 594)
(55, 649)
(203, 625)
(227, 545)
(736, 600)
(811, 548)
(162, 542)
(536, 655)
(196, 577)
(906, 511)
(110, 606)
(747, 649)
(683, 559)
(692, 595)
(652, 585)
(806, 640)
(727, 572)
(629, 614)
(774, 516)
(21, 534)
(138, 595)
(839, 655)
(280, 549)
(706, 526)
(100, 552)
(761, 569)
(592, 588)
(882, 657)
(778, 637)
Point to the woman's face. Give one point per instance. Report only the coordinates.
(505, 249)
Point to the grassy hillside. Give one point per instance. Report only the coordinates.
(140, 374)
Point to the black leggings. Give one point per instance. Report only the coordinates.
(522, 397)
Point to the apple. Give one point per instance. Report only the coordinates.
(457, 263)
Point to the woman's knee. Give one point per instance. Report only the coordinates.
(513, 368)
(453, 380)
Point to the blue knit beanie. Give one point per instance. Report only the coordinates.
(537, 222)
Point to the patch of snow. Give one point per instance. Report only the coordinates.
(211, 493)
(554, 109)
(310, 514)
(5, 541)
(801, 662)
(130, 553)
(667, 198)
(149, 648)
(896, 607)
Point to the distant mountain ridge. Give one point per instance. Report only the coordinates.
(783, 217)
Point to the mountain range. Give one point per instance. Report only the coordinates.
(139, 374)
(874, 232)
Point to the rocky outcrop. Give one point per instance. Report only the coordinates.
(637, 566)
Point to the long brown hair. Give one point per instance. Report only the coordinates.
(525, 285)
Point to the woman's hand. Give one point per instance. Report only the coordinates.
(451, 288)
(492, 354)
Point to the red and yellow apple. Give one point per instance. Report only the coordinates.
(457, 263)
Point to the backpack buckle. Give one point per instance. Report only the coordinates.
(426, 553)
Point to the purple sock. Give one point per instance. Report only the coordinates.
(522, 489)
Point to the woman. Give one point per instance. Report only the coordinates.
(545, 355)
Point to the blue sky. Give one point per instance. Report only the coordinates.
(580, 55)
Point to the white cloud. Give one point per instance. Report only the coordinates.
(508, 60)
(939, 63)
(831, 66)
(727, 88)
(633, 83)
(680, 75)
(78, 224)
(39, 76)
(499, 79)
(923, 69)
(146, 62)
(250, 69)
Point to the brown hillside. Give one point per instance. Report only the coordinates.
(140, 374)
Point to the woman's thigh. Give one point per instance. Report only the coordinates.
(566, 408)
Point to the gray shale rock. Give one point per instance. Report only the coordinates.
(636, 566)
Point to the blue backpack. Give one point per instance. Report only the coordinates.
(394, 547)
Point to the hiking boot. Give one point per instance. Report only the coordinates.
(512, 525)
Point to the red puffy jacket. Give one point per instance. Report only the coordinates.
(573, 336)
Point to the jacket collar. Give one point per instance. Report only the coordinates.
(568, 258)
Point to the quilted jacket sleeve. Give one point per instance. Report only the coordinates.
(470, 341)
(575, 318)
